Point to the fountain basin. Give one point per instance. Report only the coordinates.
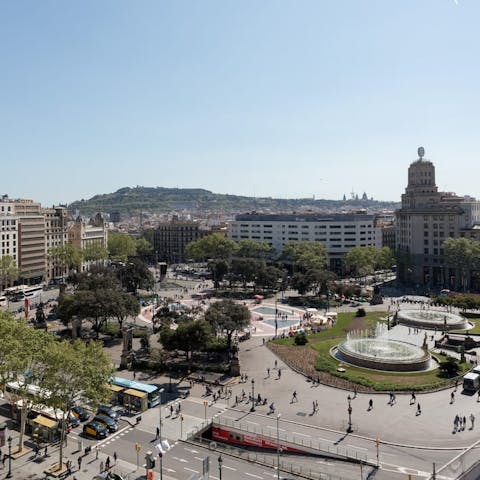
(382, 354)
(432, 319)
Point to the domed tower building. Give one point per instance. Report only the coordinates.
(425, 220)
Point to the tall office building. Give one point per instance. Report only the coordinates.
(338, 232)
(425, 220)
(56, 235)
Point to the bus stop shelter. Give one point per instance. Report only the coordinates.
(135, 400)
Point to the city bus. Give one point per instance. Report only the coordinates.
(20, 292)
(151, 390)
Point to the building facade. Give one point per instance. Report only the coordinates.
(56, 235)
(425, 220)
(87, 235)
(338, 232)
(171, 238)
(9, 237)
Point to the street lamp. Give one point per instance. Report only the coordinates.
(220, 464)
(9, 441)
(278, 446)
(349, 400)
(160, 424)
(253, 396)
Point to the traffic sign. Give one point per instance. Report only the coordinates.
(138, 447)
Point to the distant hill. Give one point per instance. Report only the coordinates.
(130, 201)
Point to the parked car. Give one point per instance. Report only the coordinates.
(80, 413)
(73, 421)
(95, 430)
(109, 411)
(107, 421)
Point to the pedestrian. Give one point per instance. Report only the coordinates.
(157, 433)
(370, 404)
(96, 453)
(472, 419)
(279, 373)
(171, 410)
(4, 459)
(69, 467)
(45, 453)
(107, 463)
(464, 423)
(316, 405)
(294, 397)
(268, 372)
(419, 410)
(37, 449)
(79, 461)
(452, 397)
(115, 457)
(101, 467)
(413, 399)
(275, 363)
(134, 374)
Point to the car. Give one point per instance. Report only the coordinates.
(80, 413)
(107, 410)
(73, 421)
(106, 421)
(95, 430)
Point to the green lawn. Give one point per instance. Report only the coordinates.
(377, 380)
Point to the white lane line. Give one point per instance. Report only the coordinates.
(274, 428)
(230, 468)
(355, 446)
(180, 459)
(198, 458)
(302, 434)
(190, 469)
(191, 450)
(253, 475)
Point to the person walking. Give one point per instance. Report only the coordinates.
(464, 423)
(101, 467)
(107, 463)
(268, 372)
(279, 374)
(79, 461)
(275, 363)
(370, 404)
(45, 453)
(419, 410)
(452, 397)
(413, 398)
(472, 420)
(157, 433)
(115, 456)
(294, 397)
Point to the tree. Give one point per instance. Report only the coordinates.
(269, 277)
(306, 255)
(125, 305)
(121, 246)
(217, 250)
(95, 252)
(9, 271)
(228, 317)
(385, 259)
(75, 373)
(135, 275)
(249, 248)
(144, 249)
(464, 255)
(190, 336)
(246, 269)
(66, 257)
(361, 260)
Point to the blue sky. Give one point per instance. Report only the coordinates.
(267, 97)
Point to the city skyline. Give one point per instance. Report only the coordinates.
(272, 99)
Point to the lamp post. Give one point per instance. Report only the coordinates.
(9, 441)
(220, 464)
(253, 396)
(349, 400)
(278, 446)
(160, 424)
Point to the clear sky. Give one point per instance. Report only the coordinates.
(264, 97)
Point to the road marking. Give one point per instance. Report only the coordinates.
(190, 470)
(253, 475)
(253, 423)
(191, 450)
(274, 475)
(180, 459)
(302, 434)
(109, 439)
(358, 448)
(274, 428)
(198, 458)
(230, 468)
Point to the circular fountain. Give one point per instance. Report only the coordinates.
(432, 319)
(373, 349)
(382, 354)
